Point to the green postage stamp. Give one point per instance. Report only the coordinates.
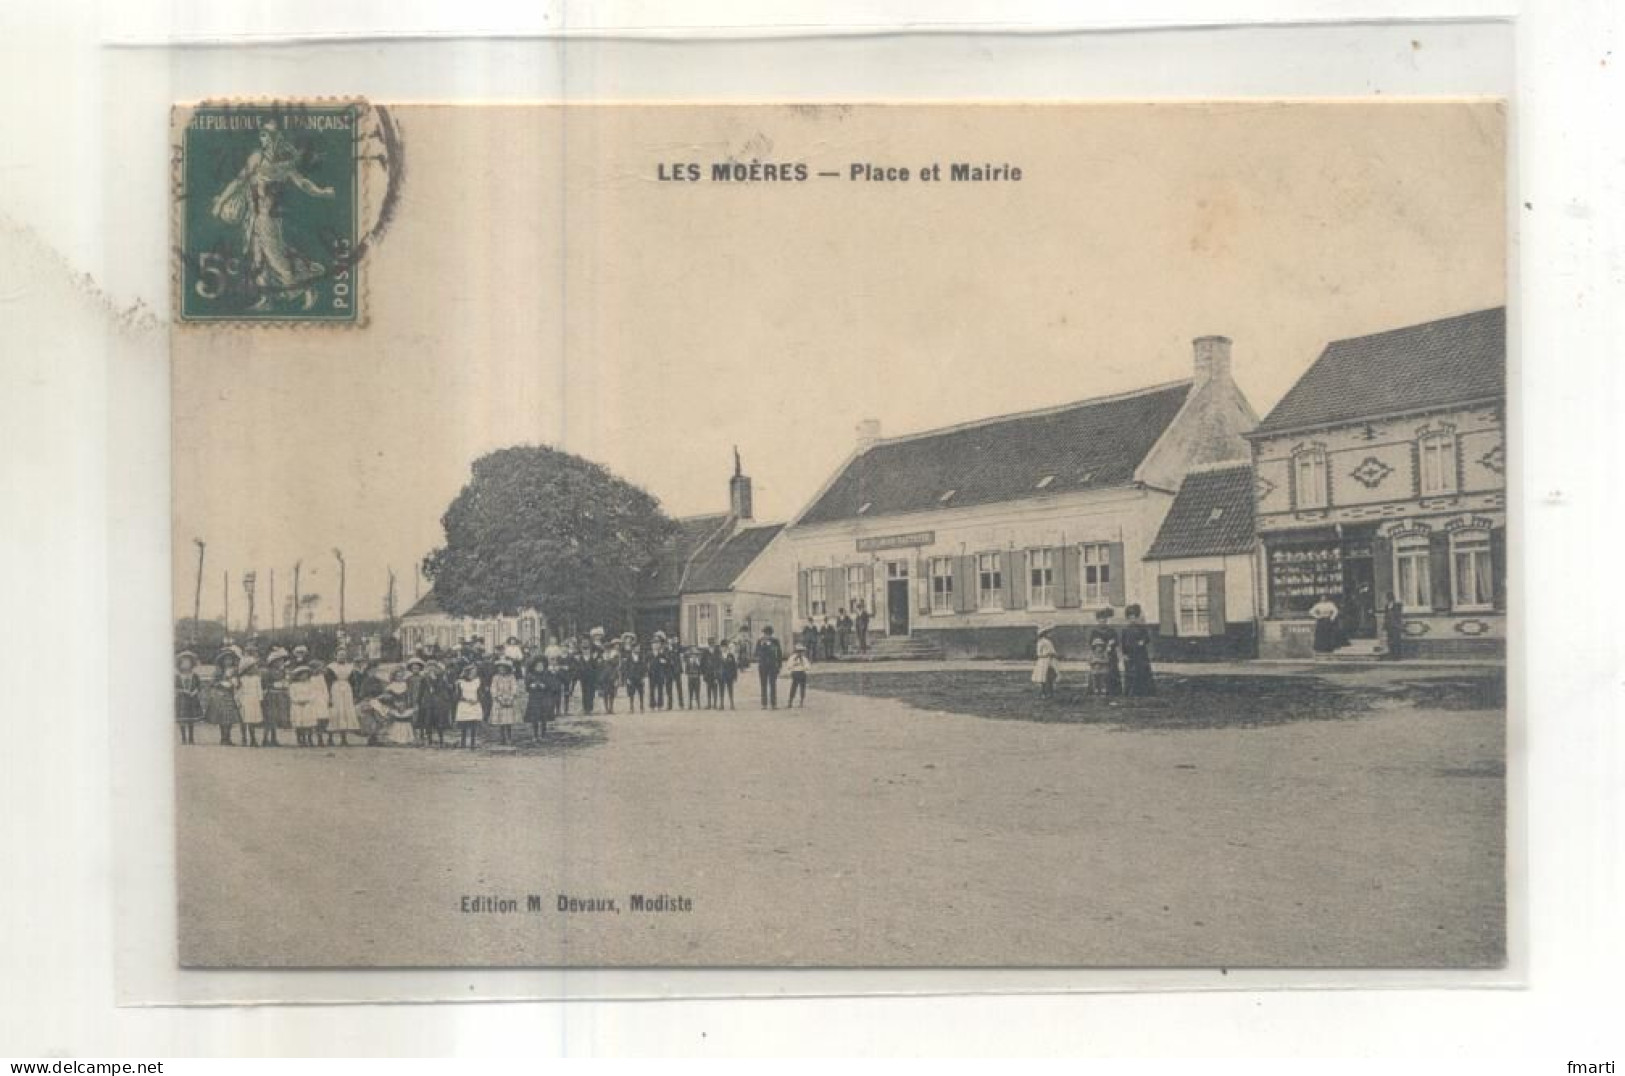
(270, 205)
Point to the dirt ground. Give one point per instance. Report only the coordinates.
(1342, 818)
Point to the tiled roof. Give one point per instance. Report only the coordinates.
(1093, 444)
(716, 568)
(663, 581)
(428, 605)
(1439, 363)
(1211, 516)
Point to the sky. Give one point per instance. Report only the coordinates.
(540, 283)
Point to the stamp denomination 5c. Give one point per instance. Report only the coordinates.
(270, 199)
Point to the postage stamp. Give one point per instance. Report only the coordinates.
(270, 206)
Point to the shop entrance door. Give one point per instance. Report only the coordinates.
(897, 597)
(1359, 606)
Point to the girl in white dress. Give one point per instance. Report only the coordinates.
(470, 712)
(250, 692)
(399, 710)
(1047, 668)
(307, 699)
(342, 717)
(504, 700)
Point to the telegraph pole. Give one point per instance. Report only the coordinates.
(296, 566)
(197, 594)
(273, 599)
(338, 555)
(225, 597)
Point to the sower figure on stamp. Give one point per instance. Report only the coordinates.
(254, 200)
(769, 656)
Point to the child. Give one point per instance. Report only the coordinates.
(634, 670)
(250, 696)
(308, 700)
(1047, 667)
(470, 709)
(220, 705)
(798, 667)
(436, 700)
(504, 699)
(1100, 657)
(188, 695)
(541, 696)
(414, 695)
(694, 670)
(727, 675)
(278, 711)
(399, 709)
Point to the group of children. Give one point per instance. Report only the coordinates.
(424, 697)
(1119, 661)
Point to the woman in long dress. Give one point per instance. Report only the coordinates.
(220, 705)
(1327, 635)
(342, 716)
(1047, 667)
(1135, 641)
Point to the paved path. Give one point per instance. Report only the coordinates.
(860, 831)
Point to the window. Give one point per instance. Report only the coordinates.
(989, 581)
(1097, 574)
(817, 598)
(705, 631)
(854, 586)
(1472, 585)
(1413, 574)
(727, 620)
(1043, 483)
(947, 496)
(1190, 597)
(897, 569)
(1309, 474)
(1041, 579)
(1437, 458)
(942, 584)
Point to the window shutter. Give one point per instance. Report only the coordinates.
(922, 583)
(1215, 603)
(1167, 620)
(1439, 569)
(1382, 572)
(1015, 579)
(1498, 565)
(965, 584)
(1117, 586)
(802, 609)
(1071, 558)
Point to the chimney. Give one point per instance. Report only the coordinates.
(868, 433)
(739, 505)
(1212, 358)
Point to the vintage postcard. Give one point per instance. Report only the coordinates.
(940, 535)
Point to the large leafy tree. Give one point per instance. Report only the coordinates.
(541, 529)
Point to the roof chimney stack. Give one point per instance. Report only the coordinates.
(739, 498)
(1212, 358)
(868, 433)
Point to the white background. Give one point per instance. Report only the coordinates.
(84, 427)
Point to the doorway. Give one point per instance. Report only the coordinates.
(1359, 598)
(897, 597)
